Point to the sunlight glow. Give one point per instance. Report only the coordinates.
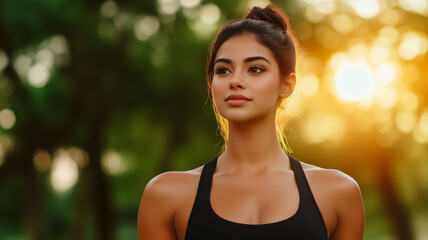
(420, 133)
(366, 8)
(419, 6)
(409, 102)
(342, 23)
(386, 73)
(309, 84)
(379, 54)
(405, 121)
(388, 35)
(320, 128)
(313, 15)
(413, 44)
(354, 82)
(386, 97)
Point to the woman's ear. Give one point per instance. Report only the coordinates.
(287, 85)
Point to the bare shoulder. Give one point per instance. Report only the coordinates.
(333, 180)
(172, 184)
(161, 198)
(340, 201)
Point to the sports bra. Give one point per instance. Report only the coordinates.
(307, 223)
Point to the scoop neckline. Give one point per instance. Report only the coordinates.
(256, 225)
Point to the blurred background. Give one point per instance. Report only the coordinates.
(98, 97)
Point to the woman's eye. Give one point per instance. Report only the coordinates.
(222, 71)
(256, 70)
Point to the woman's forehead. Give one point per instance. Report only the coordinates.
(242, 47)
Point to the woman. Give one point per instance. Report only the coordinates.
(253, 190)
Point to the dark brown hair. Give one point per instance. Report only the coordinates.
(271, 28)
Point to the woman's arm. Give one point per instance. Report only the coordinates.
(349, 211)
(156, 213)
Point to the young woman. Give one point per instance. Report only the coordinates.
(253, 190)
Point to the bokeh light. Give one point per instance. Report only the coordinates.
(113, 163)
(7, 118)
(354, 82)
(64, 171)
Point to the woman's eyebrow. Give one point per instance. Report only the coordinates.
(247, 60)
(222, 60)
(251, 59)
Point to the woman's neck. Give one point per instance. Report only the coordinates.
(254, 146)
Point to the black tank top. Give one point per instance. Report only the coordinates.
(205, 224)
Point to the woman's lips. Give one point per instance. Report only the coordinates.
(236, 102)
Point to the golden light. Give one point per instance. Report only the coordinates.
(409, 102)
(342, 23)
(386, 73)
(388, 35)
(313, 15)
(366, 8)
(379, 54)
(359, 52)
(420, 133)
(386, 97)
(419, 6)
(325, 6)
(321, 127)
(309, 84)
(405, 121)
(413, 44)
(354, 82)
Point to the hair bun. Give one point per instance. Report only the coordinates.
(271, 14)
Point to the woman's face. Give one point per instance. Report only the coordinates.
(246, 67)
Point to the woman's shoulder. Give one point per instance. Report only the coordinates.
(336, 183)
(173, 183)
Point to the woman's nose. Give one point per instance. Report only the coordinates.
(236, 81)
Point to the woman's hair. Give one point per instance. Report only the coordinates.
(271, 28)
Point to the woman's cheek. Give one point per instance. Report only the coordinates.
(218, 91)
(267, 86)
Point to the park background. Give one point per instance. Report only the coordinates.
(98, 97)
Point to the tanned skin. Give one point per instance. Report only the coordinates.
(253, 182)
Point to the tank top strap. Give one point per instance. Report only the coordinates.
(302, 183)
(206, 179)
